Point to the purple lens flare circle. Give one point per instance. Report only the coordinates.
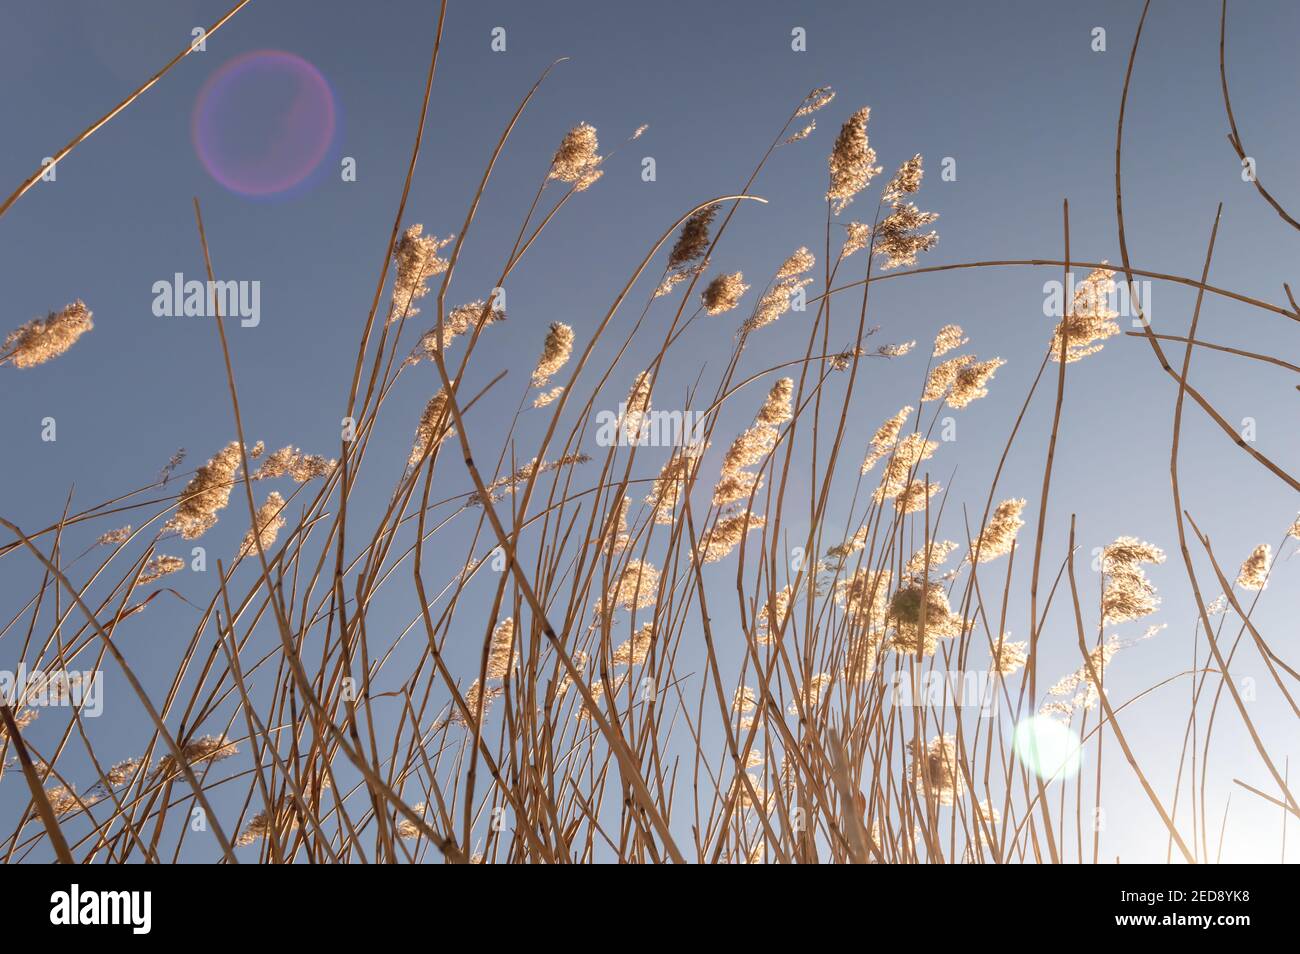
(263, 122)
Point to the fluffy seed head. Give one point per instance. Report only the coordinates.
(633, 652)
(636, 408)
(556, 351)
(969, 384)
(576, 160)
(1091, 320)
(727, 534)
(898, 236)
(799, 262)
(906, 180)
(461, 320)
(859, 235)
(1009, 658)
(777, 409)
(949, 338)
(206, 494)
(160, 565)
(434, 428)
(934, 770)
(1254, 572)
(943, 375)
(267, 527)
(1000, 534)
(502, 654)
(417, 262)
(910, 603)
(693, 241)
(637, 588)
(723, 293)
(851, 161)
(815, 100)
(1127, 594)
(43, 339)
(883, 442)
(291, 462)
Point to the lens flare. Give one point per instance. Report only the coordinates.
(1048, 747)
(263, 122)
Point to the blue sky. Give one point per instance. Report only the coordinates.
(1013, 92)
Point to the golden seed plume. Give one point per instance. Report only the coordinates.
(971, 380)
(937, 554)
(417, 262)
(912, 601)
(668, 487)
(113, 537)
(503, 656)
(858, 237)
(206, 494)
(905, 181)
(693, 241)
(935, 769)
(812, 693)
(776, 410)
(749, 448)
(1254, 572)
(206, 749)
(801, 135)
(462, 320)
(1091, 320)
(907, 453)
(636, 588)
(864, 597)
(949, 338)
(636, 408)
(160, 565)
(723, 293)
(291, 462)
(735, 486)
(577, 160)
(633, 652)
(899, 350)
(1009, 658)
(434, 428)
(270, 521)
(943, 375)
(408, 830)
(44, 339)
(842, 551)
(556, 351)
(474, 697)
(898, 236)
(851, 162)
(799, 262)
(915, 496)
(815, 100)
(503, 486)
(546, 398)
(1127, 594)
(1000, 534)
(727, 534)
(885, 438)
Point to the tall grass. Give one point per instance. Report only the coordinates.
(574, 694)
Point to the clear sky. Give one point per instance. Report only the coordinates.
(1012, 91)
